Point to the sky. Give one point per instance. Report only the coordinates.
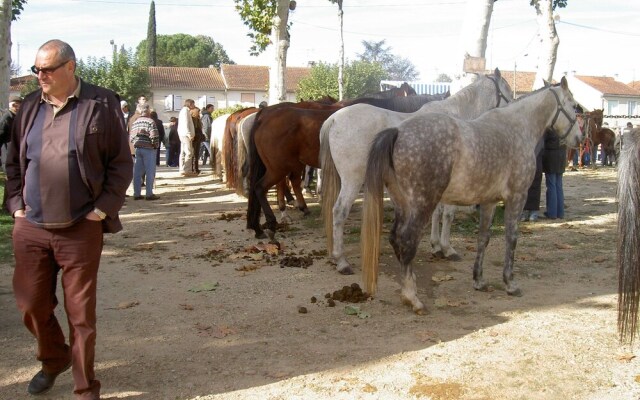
(599, 38)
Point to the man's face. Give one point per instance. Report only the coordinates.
(15, 106)
(58, 74)
(142, 100)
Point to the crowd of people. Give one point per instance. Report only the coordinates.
(186, 144)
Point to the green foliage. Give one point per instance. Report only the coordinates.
(229, 110)
(181, 50)
(151, 36)
(444, 78)
(555, 4)
(397, 68)
(258, 16)
(360, 78)
(17, 6)
(125, 76)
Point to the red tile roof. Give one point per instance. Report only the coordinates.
(17, 84)
(634, 85)
(608, 85)
(256, 78)
(186, 78)
(524, 80)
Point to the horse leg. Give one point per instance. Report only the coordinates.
(436, 249)
(405, 238)
(341, 210)
(447, 219)
(261, 189)
(511, 214)
(486, 216)
(296, 184)
(281, 191)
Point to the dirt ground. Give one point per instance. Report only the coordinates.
(191, 306)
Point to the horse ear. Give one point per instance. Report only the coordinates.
(546, 84)
(563, 83)
(497, 73)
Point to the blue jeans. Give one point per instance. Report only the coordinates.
(555, 196)
(145, 164)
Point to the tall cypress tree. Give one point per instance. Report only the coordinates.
(151, 36)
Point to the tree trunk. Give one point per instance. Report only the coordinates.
(475, 32)
(280, 39)
(549, 41)
(341, 53)
(5, 52)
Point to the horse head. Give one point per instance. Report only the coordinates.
(504, 94)
(564, 121)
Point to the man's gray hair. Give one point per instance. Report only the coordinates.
(65, 51)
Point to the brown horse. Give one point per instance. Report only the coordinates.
(594, 136)
(285, 138)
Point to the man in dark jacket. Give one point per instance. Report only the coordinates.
(68, 169)
(6, 121)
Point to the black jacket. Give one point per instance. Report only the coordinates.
(554, 154)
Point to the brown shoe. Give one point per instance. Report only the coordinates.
(152, 197)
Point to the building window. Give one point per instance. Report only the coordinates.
(249, 98)
(633, 107)
(612, 107)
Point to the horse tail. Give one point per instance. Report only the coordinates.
(230, 140)
(257, 170)
(242, 168)
(379, 170)
(629, 237)
(330, 182)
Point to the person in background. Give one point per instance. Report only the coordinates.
(6, 122)
(206, 120)
(554, 160)
(145, 139)
(124, 106)
(173, 150)
(187, 133)
(63, 202)
(161, 134)
(532, 206)
(198, 138)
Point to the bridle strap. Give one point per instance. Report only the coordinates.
(559, 110)
(499, 94)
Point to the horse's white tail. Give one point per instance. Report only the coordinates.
(330, 182)
(379, 170)
(629, 237)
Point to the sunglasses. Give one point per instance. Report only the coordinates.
(47, 70)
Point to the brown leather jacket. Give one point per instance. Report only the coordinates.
(103, 151)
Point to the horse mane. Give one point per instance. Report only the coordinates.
(405, 104)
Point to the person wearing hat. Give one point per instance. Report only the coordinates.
(6, 121)
(124, 106)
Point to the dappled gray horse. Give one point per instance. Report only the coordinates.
(435, 157)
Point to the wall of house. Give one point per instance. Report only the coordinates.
(235, 97)
(585, 94)
(159, 96)
(621, 106)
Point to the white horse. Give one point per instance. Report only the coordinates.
(217, 141)
(345, 140)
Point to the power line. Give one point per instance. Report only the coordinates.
(599, 29)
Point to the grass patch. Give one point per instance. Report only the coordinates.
(468, 225)
(6, 226)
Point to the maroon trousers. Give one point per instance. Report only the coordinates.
(40, 254)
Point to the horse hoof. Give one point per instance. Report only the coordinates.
(420, 311)
(454, 257)
(438, 255)
(271, 234)
(346, 270)
(260, 235)
(481, 287)
(517, 292)
(305, 211)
